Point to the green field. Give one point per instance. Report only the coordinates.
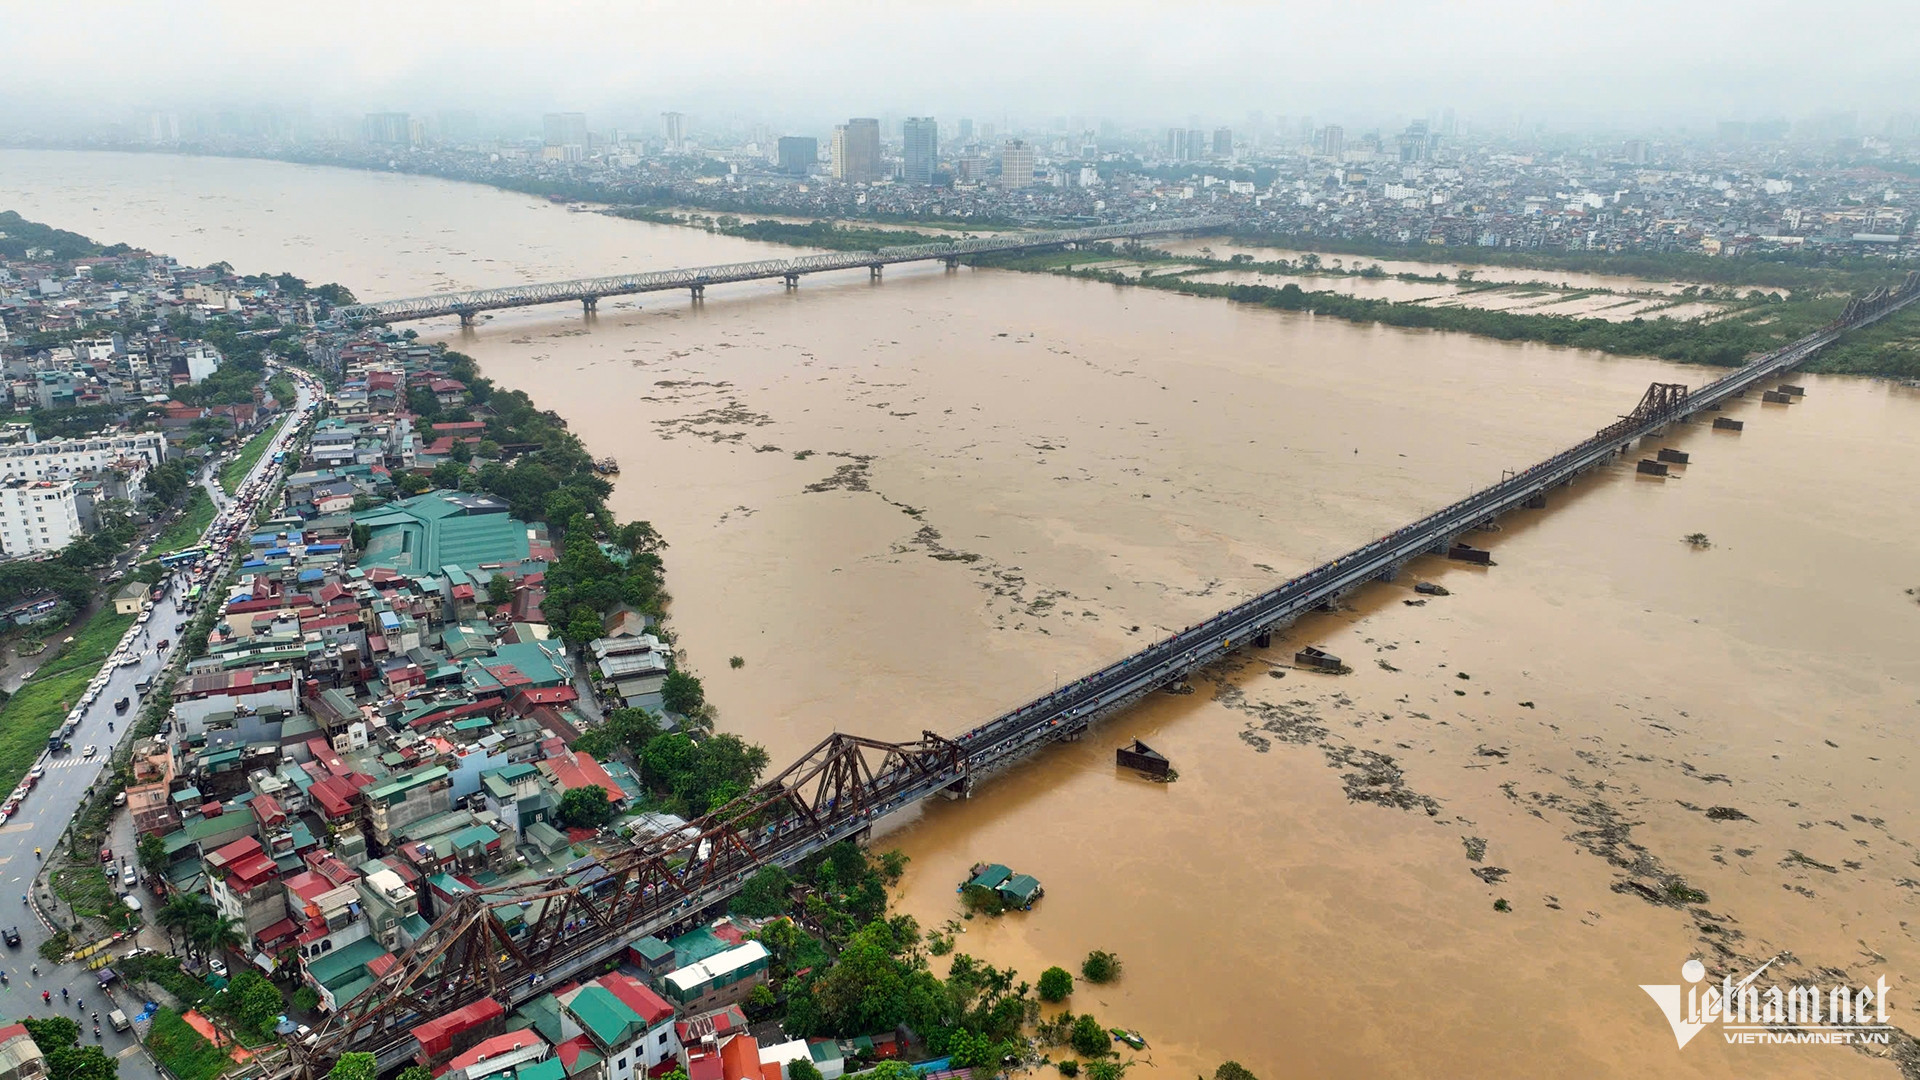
(236, 470)
(185, 532)
(40, 705)
(185, 1052)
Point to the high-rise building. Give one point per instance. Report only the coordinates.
(856, 157)
(798, 154)
(1223, 142)
(920, 150)
(1415, 145)
(163, 127)
(966, 130)
(676, 125)
(1196, 144)
(36, 516)
(566, 129)
(1176, 144)
(1333, 141)
(386, 129)
(1635, 151)
(459, 126)
(1016, 164)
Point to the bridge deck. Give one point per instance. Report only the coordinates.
(552, 292)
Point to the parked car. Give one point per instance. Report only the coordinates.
(218, 967)
(120, 798)
(119, 1020)
(128, 878)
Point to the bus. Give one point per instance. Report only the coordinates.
(178, 557)
(193, 595)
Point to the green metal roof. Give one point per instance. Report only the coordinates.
(605, 1017)
(1021, 888)
(429, 532)
(345, 963)
(991, 877)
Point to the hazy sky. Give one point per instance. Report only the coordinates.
(1631, 61)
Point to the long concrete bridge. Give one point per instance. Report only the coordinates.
(513, 942)
(695, 279)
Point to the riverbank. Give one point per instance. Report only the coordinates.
(1724, 327)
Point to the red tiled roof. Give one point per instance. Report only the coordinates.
(636, 996)
(576, 769)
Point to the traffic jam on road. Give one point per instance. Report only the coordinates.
(191, 572)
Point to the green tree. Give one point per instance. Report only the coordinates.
(973, 1050)
(415, 1072)
(1100, 967)
(892, 1070)
(1055, 984)
(499, 589)
(1089, 1039)
(682, 693)
(803, 1069)
(256, 1001)
(585, 808)
(182, 912)
(584, 626)
(151, 853)
(306, 999)
(66, 1061)
(1107, 1070)
(764, 894)
(1232, 1070)
(355, 1066)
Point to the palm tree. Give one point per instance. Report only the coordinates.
(181, 912)
(220, 934)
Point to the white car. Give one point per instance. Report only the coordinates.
(218, 967)
(89, 751)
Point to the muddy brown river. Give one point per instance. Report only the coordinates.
(909, 505)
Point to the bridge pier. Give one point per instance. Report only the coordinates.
(953, 262)
(793, 281)
(873, 272)
(1263, 639)
(467, 318)
(590, 304)
(698, 292)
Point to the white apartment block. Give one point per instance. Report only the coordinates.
(37, 516)
(56, 458)
(202, 361)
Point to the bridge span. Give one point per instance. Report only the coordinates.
(695, 279)
(510, 942)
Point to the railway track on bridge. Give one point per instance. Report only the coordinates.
(589, 291)
(562, 926)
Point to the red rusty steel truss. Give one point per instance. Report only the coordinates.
(499, 942)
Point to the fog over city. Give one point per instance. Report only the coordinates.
(1632, 63)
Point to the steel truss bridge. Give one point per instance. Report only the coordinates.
(513, 942)
(588, 291)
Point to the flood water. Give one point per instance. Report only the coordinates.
(908, 505)
(1220, 247)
